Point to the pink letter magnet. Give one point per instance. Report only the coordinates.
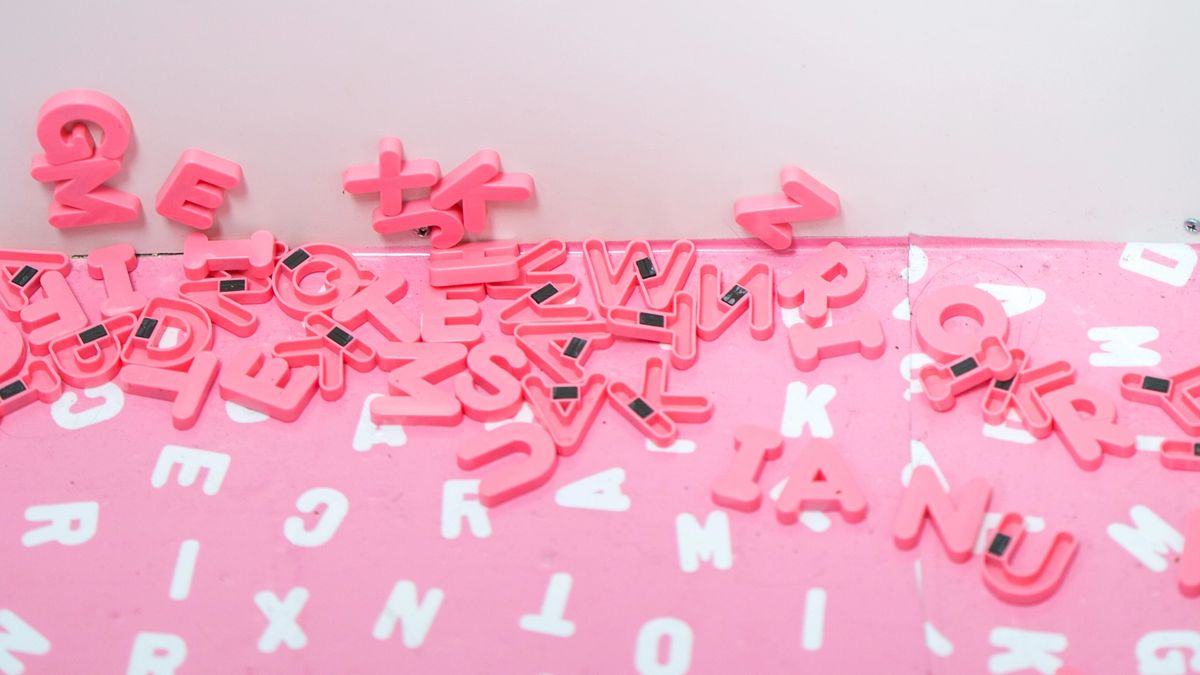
(196, 188)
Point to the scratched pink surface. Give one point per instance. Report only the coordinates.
(886, 610)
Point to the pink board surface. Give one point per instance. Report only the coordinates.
(624, 544)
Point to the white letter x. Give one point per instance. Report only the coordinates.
(281, 619)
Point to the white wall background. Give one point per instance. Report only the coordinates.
(1048, 119)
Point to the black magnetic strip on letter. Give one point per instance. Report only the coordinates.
(562, 393)
(574, 347)
(295, 258)
(92, 334)
(231, 285)
(999, 544)
(1156, 384)
(652, 319)
(341, 337)
(736, 293)
(963, 367)
(544, 293)
(23, 276)
(146, 328)
(641, 408)
(646, 268)
(11, 389)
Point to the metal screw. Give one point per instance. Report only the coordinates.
(1192, 225)
(422, 231)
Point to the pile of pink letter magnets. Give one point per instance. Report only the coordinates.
(440, 368)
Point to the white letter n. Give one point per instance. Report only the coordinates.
(415, 615)
(16, 636)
